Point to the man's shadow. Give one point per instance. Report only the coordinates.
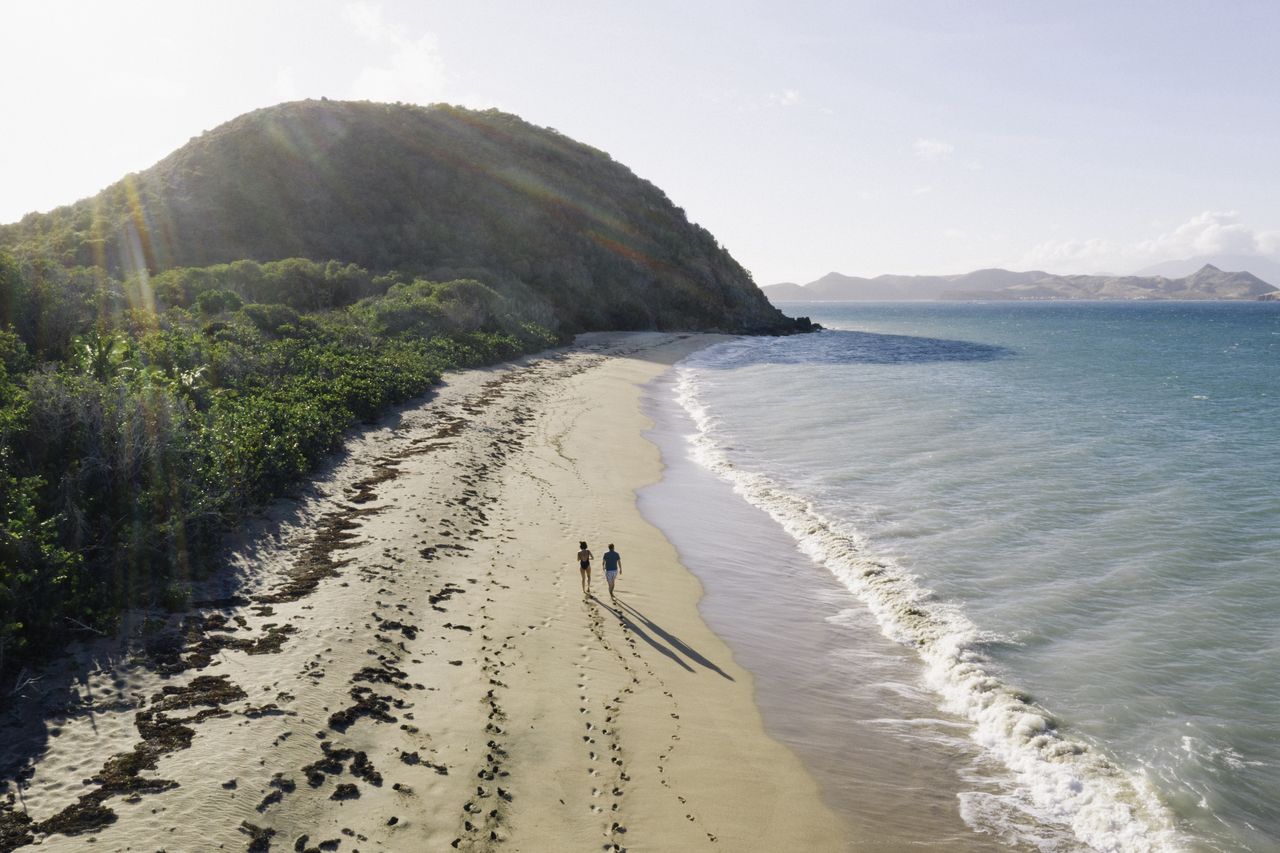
(632, 619)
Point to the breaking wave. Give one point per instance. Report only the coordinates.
(1057, 779)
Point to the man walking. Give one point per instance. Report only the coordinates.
(612, 568)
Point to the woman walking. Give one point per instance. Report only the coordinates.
(584, 566)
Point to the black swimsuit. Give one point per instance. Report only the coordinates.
(584, 564)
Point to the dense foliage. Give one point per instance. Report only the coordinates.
(190, 341)
(441, 192)
(139, 418)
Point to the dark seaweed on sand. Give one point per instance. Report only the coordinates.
(121, 774)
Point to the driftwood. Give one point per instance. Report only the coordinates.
(85, 627)
(23, 682)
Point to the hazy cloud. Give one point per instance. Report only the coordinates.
(366, 18)
(1208, 233)
(785, 98)
(933, 150)
(1073, 255)
(413, 70)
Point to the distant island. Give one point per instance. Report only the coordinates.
(1208, 282)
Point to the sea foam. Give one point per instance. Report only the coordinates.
(1058, 779)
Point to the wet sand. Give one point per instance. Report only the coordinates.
(852, 703)
(402, 658)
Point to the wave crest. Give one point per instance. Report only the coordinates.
(1060, 780)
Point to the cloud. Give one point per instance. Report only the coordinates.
(1209, 233)
(414, 72)
(366, 18)
(785, 98)
(413, 69)
(933, 150)
(923, 189)
(1074, 255)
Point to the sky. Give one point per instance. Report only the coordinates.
(861, 137)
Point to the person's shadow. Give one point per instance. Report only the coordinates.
(633, 619)
(631, 626)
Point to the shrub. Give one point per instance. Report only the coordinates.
(217, 301)
(271, 319)
(125, 459)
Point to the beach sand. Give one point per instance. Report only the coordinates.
(405, 659)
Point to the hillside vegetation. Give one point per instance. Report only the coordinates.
(131, 439)
(438, 192)
(190, 342)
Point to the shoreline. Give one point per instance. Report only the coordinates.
(830, 686)
(410, 664)
(916, 527)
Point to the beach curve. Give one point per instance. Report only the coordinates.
(407, 661)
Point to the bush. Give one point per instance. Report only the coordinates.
(271, 319)
(216, 301)
(124, 460)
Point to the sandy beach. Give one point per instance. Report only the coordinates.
(402, 658)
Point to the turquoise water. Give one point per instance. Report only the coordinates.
(1069, 514)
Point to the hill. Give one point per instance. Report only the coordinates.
(437, 192)
(191, 342)
(838, 288)
(1209, 282)
(1264, 268)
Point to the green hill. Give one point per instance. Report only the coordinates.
(196, 338)
(436, 192)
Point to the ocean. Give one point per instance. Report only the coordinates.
(1007, 574)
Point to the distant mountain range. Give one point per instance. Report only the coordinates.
(1207, 282)
(1264, 268)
